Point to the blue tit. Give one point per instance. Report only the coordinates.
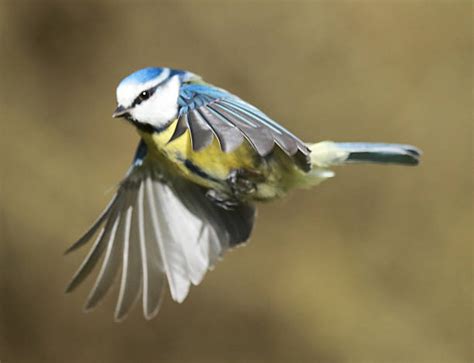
(205, 157)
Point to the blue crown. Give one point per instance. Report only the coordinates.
(143, 75)
(148, 74)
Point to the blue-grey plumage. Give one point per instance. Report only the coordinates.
(205, 158)
(339, 153)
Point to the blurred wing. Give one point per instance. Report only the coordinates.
(157, 231)
(208, 112)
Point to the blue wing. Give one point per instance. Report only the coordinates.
(208, 112)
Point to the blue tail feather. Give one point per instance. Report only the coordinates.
(380, 153)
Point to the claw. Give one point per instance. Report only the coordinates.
(243, 182)
(222, 200)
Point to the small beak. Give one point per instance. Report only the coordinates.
(120, 111)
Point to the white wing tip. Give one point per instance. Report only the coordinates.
(180, 296)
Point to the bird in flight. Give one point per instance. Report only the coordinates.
(204, 159)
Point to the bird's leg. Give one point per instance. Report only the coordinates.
(243, 182)
(222, 199)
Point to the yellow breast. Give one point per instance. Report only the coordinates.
(194, 165)
(210, 167)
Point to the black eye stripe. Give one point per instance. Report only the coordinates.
(144, 95)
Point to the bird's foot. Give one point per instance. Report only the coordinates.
(243, 182)
(222, 200)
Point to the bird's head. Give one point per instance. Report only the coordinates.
(150, 96)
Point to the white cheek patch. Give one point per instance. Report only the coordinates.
(162, 107)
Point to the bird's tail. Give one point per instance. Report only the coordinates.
(328, 153)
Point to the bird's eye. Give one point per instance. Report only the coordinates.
(144, 96)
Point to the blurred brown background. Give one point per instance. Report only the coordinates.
(373, 266)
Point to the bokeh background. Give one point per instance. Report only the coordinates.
(372, 266)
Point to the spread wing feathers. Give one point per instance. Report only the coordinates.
(156, 232)
(209, 112)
